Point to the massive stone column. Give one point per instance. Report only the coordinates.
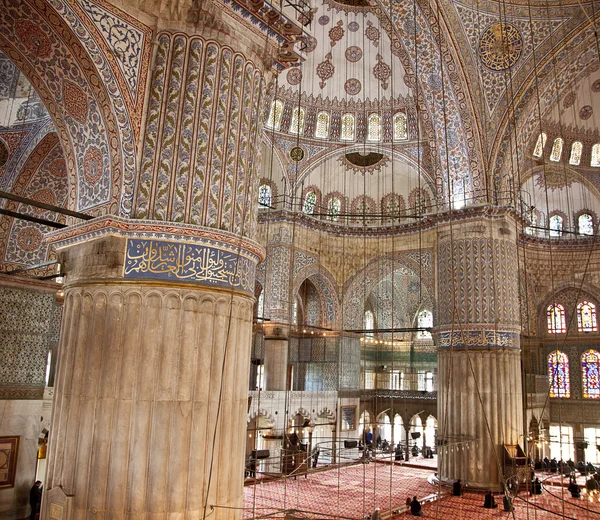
(151, 394)
(480, 399)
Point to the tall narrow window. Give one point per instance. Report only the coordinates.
(275, 115)
(557, 323)
(557, 148)
(424, 321)
(322, 126)
(374, 132)
(585, 224)
(369, 323)
(264, 195)
(576, 149)
(540, 144)
(333, 208)
(595, 160)
(586, 317)
(347, 133)
(590, 363)
(309, 203)
(400, 126)
(297, 124)
(556, 225)
(558, 374)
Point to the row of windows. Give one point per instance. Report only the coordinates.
(586, 318)
(585, 225)
(348, 124)
(557, 151)
(559, 377)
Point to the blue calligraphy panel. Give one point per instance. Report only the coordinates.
(193, 263)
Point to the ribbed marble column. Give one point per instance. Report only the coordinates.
(480, 398)
(276, 356)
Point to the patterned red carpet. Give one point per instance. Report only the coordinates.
(354, 492)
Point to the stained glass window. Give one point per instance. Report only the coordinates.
(590, 362)
(558, 374)
(586, 317)
(557, 323)
(585, 224)
(347, 133)
(556, 150)
(297, 124)
(275, 115)
(322, 126)
(539, 145)
(309, 203)
(595, 161)
(556, 225)
(400, 126)
(334, 205)
(576, 149)
(264, 195)
(374, 133)
(424, 320)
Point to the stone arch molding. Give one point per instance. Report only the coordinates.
(358, 288)
(261, 412)
(326, 288)
(57, 47)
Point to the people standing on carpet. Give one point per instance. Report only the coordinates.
(376, 514)
(574, 489)
(415, 507)
(457, 489)
(489, 502)
(35, 499)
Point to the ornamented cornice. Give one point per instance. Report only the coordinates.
(22, 392)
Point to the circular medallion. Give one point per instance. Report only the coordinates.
(353, 26)
(352, 86)
(3, 154)
(569, 99)
(294, 76)
(92, 165)
(29, 239)
(297, 154)
(596, 86)
(33, 38)
(500, 46)
(58, 168)
(310, 44)
(324, 20)
(354, 53)
(586, 112)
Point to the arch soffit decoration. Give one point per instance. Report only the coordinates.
(362, 284)
(565, 171)
(94, 126)
(580, 43)
(326, 287)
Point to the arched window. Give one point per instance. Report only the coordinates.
(576, 149)
(322, 126)
(424, 320)
(260, 305)
(264, 195)
(590, 363)
(334, 205)
(374, 132)
(369, 323)
(586, 317)
(556, 225)
(585, 224)
(557, 323)
(595, 160)
(297, 124)
(400, 126)
(556, 150)
(310, 200)
(558, 374)
(539, 145)
(347, 133)
(275, 115)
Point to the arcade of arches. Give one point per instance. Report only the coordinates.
(241, 239)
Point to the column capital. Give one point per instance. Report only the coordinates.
(116, 248)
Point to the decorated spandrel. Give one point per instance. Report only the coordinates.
(193, 263)
(558, 374)
(590, 365)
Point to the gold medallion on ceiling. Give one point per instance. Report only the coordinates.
(297, 154)
(500, 46)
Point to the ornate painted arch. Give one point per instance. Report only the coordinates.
(326, 287)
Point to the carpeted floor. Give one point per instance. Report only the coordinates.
(354, 492)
